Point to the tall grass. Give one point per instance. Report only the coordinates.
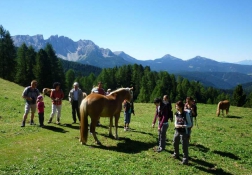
(219, 145)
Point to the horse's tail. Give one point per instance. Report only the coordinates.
(218, 109)
(83, 122)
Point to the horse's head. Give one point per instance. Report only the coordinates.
(130, 90)
(123, 93)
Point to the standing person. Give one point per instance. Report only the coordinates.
(30, 94)
(75, 97)
(57, 96)
(99, 90)
(168, 103)
(40, 106)
(128, 110)
(182, 123)
(191, 107)
(162, 115)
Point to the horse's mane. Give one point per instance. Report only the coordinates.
(120, 89)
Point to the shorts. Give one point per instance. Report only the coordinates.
(31, 107)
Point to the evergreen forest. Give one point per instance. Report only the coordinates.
(24, 64)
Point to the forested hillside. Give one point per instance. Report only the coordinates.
(25, 64)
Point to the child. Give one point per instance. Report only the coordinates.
(182, 124)
(40, 106)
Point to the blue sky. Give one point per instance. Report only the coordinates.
(145, 29)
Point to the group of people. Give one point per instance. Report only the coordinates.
(183, 118)
(35, 101)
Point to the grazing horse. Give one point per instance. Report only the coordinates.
(47, 91)
(96, 106)
(223, 105)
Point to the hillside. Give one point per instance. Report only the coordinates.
(219, 145)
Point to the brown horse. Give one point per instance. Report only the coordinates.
(47, 91)
(223, 105)
(97, 105)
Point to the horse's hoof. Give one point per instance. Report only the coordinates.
(98, 142)
(83, 143)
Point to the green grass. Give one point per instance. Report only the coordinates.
(219, 145)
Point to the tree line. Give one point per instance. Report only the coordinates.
(23, 64)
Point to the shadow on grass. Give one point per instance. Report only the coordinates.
(227, 154)
(55, 129)
(72, 126)
(199, 147)
(128, 146)
(208, 167)
(232, 116)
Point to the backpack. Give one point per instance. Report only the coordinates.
(167, 107)
(181, 120)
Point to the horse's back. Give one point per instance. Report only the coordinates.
(224, 104)
(104, 106)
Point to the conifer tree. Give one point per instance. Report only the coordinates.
(7, 55)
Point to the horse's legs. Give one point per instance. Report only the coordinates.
(92, 130)
(116, 126)
(110, 126)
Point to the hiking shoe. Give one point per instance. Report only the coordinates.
(98, 124)
(184, 163)
(74, 122)
(32, 122)
(23, 124)
(159, 149)
(175, 156)
(125, 129)
(57, 122)
(49, 121)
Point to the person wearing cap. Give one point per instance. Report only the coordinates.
(75, 97)
(30, 95)
(40, 106)
(57, 96)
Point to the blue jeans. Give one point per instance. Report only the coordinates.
(127, 117)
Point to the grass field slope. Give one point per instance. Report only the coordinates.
(219, 145)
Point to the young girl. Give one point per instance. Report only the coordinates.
(182, 123)
(40, 106)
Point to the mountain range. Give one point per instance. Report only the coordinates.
(209, 72)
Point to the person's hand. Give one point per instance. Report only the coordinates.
(158, 128)
(29, 99)
(153, 125)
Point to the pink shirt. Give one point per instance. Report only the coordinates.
(40, 106)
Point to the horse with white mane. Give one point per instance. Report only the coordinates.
(96, 106)
(223, 105)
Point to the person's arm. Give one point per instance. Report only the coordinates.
(155, 118)
(188, 121)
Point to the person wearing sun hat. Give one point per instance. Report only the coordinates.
(75, 97)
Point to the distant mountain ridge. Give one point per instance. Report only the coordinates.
(86, 52)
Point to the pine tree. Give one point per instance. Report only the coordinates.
(7, 55)
(239, 98)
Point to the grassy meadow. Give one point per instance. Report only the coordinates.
(219, 145)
